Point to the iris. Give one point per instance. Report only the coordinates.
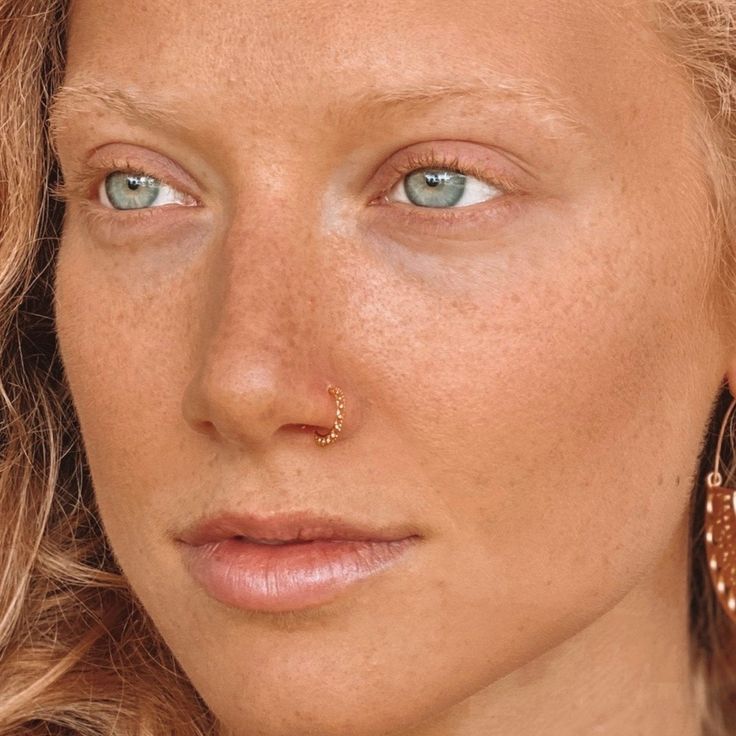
(128, 191)
(434, 187)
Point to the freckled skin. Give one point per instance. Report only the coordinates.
(528, 392)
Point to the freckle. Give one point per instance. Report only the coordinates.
(660, 479)
(677, 481)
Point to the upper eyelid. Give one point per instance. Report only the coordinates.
(85, 179)
(494, 181)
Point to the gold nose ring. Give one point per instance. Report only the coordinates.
(325, 439)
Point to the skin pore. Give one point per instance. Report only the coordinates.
(526, 377)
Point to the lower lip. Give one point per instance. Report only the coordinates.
(288, 577)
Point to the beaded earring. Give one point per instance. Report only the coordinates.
(720, 530)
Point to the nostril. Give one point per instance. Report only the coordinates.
(301, 429)
(205, 427)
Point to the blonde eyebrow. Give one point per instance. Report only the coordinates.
(551, 108)
(71, 100)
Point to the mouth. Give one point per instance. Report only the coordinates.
(290, 561)
(290, 528)
(269, 541)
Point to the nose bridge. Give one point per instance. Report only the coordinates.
(259, 360)
(269, 247)
(264, 268)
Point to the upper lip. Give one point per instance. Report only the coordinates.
(294, 526)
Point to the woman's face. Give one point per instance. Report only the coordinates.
(525, 358)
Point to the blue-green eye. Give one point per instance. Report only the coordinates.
(124, 190)
(443, 188)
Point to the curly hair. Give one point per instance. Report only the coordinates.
(78, 652)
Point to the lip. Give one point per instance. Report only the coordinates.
(294, 526)
(318, 557)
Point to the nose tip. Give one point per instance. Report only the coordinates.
(248, 411)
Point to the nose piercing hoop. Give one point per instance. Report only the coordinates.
(325, 439)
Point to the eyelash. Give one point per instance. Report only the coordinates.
(80, 183)
(431, 160)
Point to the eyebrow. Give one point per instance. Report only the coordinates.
(552, 109)
(71, 100)
(559, 113)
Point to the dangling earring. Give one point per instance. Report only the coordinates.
(720, 531)
(325, 439)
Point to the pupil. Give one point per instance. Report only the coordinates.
(432, 179)
(133, 183)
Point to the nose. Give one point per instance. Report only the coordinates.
(261, 338)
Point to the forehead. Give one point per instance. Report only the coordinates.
(263, 61)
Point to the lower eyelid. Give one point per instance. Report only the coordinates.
(436, 220)
(111, 227)
(98, 212)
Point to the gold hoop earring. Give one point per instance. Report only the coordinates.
(720, 530)
(326, 439)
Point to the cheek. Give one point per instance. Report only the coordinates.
(553, 410)
(122, 355)
(550, 402)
